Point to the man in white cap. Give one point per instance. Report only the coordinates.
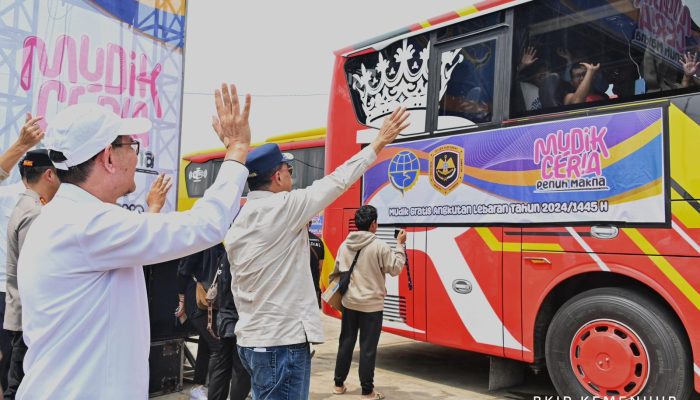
(85, 312)
(268, 248)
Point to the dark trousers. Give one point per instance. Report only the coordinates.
(370, 326)
(5, 345)
(205, 346)
(227, 372)
(19, 349)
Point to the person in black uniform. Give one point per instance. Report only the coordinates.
(317, 251)
(227, 371)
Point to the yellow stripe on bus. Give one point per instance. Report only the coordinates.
(687, 214)
(466, 11)
(509, 247)
(664, 266)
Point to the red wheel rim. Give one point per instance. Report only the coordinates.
(609, 359)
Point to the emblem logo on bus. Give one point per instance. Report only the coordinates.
(403, 170)
(446, 168)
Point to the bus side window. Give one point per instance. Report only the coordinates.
(467, 85)
(602, 52)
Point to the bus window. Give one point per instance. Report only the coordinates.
(395, 76)
(467, 85)
(568, 53)
(308, 166)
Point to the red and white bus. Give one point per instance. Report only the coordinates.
(549, 182)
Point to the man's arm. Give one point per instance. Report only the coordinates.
(30, 134)
(305, 203)
(393, 260)
(584, 89)
(119, 238)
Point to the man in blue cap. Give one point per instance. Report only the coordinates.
(268, 249)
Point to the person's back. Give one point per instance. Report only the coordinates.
(268, 249)
(264, 275)
(367, 288)
(363, 301)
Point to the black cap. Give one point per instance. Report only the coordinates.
(36, 158)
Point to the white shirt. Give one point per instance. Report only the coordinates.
(268, 248)
(85, 311)
(9, 195)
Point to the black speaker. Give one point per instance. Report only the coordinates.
(161, 286)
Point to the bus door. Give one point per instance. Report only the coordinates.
(464, 288)
(399, 303)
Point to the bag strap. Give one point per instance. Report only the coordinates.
(210, 304)
(354, 261)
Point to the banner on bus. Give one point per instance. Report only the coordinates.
(605, 168)
(125, 55)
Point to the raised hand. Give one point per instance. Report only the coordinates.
(690, 64)
(31, 133)
(391, 127)
(528, 58)
(230, 124)
(591, 67)
(565, 54)
(158, 193)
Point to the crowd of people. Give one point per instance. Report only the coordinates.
(74, 304)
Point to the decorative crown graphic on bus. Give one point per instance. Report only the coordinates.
(403, 82)
(600, 168)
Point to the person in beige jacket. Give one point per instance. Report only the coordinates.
(364, 299)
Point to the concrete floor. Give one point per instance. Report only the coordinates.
(410, 370)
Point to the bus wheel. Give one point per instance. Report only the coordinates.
(616, 343)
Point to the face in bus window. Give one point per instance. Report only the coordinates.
(577, 75)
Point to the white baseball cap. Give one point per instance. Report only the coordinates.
(82, 130)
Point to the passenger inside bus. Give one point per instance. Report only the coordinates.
(618, 55)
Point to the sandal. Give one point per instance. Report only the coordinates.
(340, 389)
(377, 396)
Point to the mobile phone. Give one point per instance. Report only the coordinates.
(396, 232)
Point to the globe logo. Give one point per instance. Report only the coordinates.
(403, 170)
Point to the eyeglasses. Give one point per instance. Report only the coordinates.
(135, 144)
(290, 169)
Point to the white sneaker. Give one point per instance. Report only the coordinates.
(198, 393)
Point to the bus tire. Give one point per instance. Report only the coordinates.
(617, 342)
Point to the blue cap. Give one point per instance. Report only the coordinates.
(265, 158)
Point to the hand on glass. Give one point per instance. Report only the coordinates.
(565, 54)
(690, 63)
(158, 193)
(528, 58)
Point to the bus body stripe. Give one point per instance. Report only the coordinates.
(664, 266)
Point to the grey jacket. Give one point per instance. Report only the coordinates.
(25, 212)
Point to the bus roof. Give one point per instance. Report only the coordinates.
(477, 9)
(288, 141)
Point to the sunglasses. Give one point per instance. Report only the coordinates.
(135, 145)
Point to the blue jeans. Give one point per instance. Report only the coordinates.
(279, 372)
